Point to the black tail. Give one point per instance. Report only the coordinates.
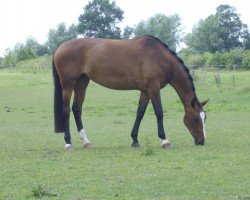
(58, 102)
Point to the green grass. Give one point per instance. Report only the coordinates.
(35, 165)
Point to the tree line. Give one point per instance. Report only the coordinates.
(221, 39)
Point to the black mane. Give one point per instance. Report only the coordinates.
(185, 68)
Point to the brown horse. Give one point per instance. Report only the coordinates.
(145, 64)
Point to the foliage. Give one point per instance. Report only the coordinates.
(232, 30)
(59, 35)
(128, 32)
(41, 191)
(221, 32)
(205, 36)
(236, 57)
(29, 50)
(39, 62)
(246, 60)
(149, 149)
(24, 52)
(166, 28)
(99, 19)
(37, 48)
(9, 59)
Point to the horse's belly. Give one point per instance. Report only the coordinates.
(115, 83)
(116, 76)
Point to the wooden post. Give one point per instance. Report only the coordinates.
(233, 76)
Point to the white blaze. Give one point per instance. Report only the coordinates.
(202, 115)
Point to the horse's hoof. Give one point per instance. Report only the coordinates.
(86, 145)
(135, 145)
(69, 147)
(166, 145)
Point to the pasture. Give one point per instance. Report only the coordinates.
(34, 163)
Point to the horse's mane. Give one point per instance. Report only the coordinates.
(185, 68)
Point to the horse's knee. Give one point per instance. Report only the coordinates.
(66, 111)
(75, 109)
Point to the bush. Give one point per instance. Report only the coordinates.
(42, 61)
(194, 60)
(237, 57)
(246, 60)
(9, 60)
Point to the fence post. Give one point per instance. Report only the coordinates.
(193, 75)
(203, 77)
(233, 76)
(217, 79)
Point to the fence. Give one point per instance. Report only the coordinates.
(205, 75)
(23, 68)
(214, 76)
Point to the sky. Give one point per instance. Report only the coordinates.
(20, 19)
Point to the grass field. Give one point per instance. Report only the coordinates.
(34, 164)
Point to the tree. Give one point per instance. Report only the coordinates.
(233, 31)
(100, 19)
(205, 36)
(37, 48)
(24, 52)
(62, 34)
(42, 49)
(128, 32)
(9, 59)
(166, 28)
(32, 43)
(221, 32)
(246, 41)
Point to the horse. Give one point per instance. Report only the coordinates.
(145, 64)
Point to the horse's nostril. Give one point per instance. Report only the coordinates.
(197, 142)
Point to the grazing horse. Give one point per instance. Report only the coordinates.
(144, 63)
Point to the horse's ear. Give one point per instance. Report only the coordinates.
(204, 102)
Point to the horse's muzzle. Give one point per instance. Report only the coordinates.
(199, 142)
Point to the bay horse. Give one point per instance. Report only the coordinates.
(144, 63)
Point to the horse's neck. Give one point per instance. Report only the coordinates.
(183, 86)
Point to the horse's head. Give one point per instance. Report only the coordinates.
(194, 120)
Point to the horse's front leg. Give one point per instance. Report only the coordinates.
(156, 102)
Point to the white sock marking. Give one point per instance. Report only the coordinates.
(83, 137)
(202, 115)
(69, 147)
(164, 142)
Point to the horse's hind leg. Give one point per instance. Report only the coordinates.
(80, 91)
(67, 92)
(143, 103)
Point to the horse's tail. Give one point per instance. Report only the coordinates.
(58, 102)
